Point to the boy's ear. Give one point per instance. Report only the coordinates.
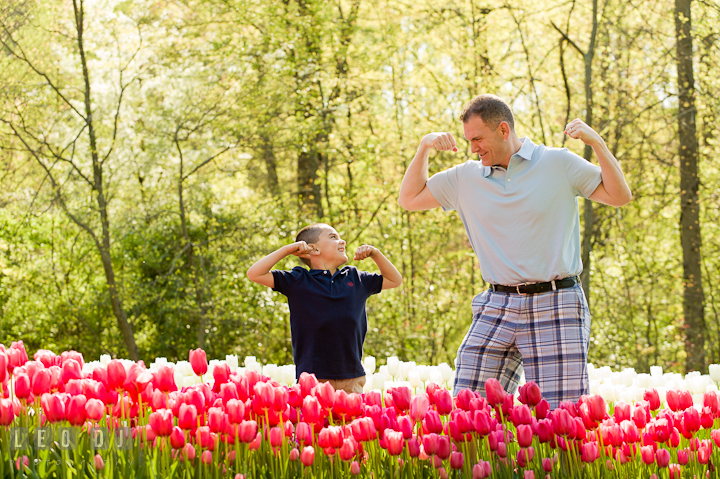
(315, 251)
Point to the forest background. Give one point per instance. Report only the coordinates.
(152, 150)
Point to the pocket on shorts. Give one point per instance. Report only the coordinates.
(479, 302)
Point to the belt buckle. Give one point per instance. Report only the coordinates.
(517, 288)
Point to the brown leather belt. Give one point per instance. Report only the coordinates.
(532, 288)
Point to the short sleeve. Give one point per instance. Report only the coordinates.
(372, 282)
(583, 176)
(444, 187)
(284, 280)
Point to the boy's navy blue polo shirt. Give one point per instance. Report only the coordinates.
(328, 321)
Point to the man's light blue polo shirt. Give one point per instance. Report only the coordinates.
(523, 222)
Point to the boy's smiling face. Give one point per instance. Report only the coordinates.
(329, 250)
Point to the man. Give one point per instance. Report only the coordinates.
(520, 210)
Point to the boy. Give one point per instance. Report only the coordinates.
(328, 321)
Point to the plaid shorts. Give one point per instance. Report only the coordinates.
(546, 334)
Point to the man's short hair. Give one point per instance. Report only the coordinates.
(310, 234)
(491, 109)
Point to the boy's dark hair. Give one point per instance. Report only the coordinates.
(310, 234)
(492, 109)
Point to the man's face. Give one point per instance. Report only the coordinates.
(489, 144)
(330, 246)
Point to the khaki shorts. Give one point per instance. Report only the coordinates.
(352, 385)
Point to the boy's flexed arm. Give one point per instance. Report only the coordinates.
(260, 271)
(391, 276)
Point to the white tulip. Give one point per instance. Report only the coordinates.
(656, 371)
(711, 387)
(643, 381)
(446, 371)
(414, 379)
(393, 365)
(105, 359)
(233, 361)
(436, 375)
(405, 368)
(607, 391)
(595, 387)
(715, 372)
(424, 372)
(369, 364)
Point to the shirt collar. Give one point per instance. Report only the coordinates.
(527, 148)
(316, 272)
(525, 152)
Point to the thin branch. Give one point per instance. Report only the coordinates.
(567, 39)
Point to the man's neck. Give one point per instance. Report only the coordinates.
(514, 145)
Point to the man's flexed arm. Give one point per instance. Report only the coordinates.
(414, 193)
(613, 190)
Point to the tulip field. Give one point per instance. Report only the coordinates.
(65, 418)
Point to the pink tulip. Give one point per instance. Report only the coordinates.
(413, 446)
(311, 410)
(165, 379)
(524, 435)
(443, 402)
(530, 394)
(216, 419)
(542, 409)
(430, 443)
(53, 407)
(529, 474)
(715, 436)
(494, 392)
(307, 457)
(177, 438)
(419, 407)
(221, 374)
(433, 423)
(401, 398)
(76, 413)
(99, 463)
(24, 460)
(683, 456)
(276, 437)
(456, 460)
(3, 366)
(294, 454)
(394, 441)
(198, 361)
(653, 398)
(247, 431)
(70, 370)
(22, 386)
(161, 422)
(307, 382)
(547, 464)
(187, 416)
(710, 400)
(355, 468)
(7, 412)
(206, 457)
(303, 433)
(189, 451)
(444, 447)
(482, 470)
(116, 375)
(703, 454)
(622, 411)
(675, 472)
(235, 410)
(597, 408)
(662, 457)
(41, 382)
(639, 417)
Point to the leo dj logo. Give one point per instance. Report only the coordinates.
(66, 438)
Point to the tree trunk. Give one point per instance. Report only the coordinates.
(103, 245)
(693, 295)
